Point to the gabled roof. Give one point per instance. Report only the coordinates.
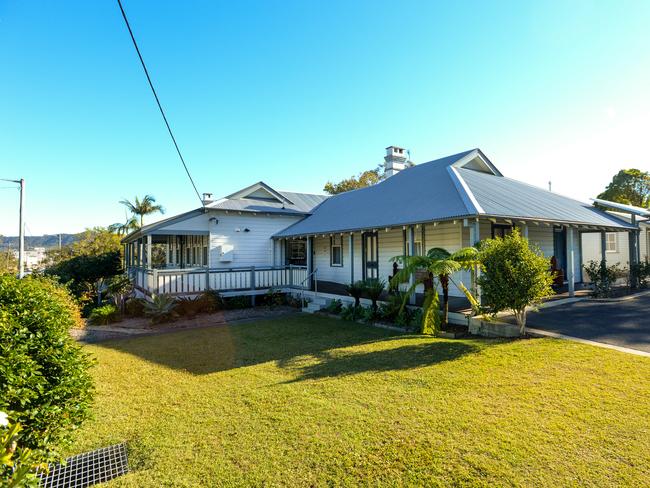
(260, 197)
(466, 184)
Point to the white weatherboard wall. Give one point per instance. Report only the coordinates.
(252, 248)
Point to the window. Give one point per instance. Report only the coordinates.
(205, 255)
(188, 253)
(336, 251)
(611, 243)
(407, 244)
(501, 230)
(297, 252)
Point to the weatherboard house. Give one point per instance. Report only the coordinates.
(260, 238)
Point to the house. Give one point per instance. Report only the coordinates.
(259, 238)
(617, 244)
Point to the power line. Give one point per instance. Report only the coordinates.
(162, 112)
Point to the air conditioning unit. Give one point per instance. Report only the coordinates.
(226, 253)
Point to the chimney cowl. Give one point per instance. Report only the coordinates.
(207, 198)
(395, 160)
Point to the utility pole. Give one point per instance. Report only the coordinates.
(21, 227)
(21, 238)
(59, 242)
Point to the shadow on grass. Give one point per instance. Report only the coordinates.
(285, 341)
(382, 360)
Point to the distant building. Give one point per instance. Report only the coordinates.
(33, 258)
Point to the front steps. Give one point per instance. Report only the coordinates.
(316, 304)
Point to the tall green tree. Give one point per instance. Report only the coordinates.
(436, 267)
(140, 208)
(367, 178)
(629, 186)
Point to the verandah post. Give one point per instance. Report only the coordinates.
(253, 285)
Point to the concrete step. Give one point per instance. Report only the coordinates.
(315, 305)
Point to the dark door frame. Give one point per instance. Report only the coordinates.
(370, 266)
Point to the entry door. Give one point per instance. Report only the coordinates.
(559, 247)
(370, 255)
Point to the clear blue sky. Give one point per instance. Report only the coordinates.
(296, 93)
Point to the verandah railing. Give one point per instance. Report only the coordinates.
(196, 280)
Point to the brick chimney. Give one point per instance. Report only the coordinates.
(395, 160)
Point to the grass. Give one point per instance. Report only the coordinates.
(306, 401)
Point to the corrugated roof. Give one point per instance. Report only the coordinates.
(437, 191)
(505, 197)
(301, 203)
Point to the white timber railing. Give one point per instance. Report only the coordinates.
(190, 281)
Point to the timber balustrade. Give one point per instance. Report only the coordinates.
(189, 281)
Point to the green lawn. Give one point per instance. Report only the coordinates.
(309, 401)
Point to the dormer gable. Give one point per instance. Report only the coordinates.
(477, 161)
(260, 191)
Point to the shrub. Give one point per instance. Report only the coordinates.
(104, 315)
(351, 312)
(211, 300)
(44, 378)
(188, 306)
(355, 290)
(119, 288)
(16, 463)
(274, 298)
(160, 309)
(390, 309)
(134, 307)
(640, 274)
(514, 276)
(602, 277)
(234, 303)
(369, 315)
(374, 287)
(334, 307)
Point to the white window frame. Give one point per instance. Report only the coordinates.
(418, 244)
(609, 245)
(339, 244)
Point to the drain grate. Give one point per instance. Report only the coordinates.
(88, 469)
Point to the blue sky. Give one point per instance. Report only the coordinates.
(296, 93)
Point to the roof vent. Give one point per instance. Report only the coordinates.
(207, 198)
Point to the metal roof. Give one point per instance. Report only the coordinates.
(444, 190)
(295, 203)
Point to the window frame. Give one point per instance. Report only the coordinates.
(333, 244)
(607, 242)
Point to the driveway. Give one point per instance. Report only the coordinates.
(619, 323)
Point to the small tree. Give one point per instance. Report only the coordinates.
(515, 276)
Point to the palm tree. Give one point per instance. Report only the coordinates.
(438, 264)
(124, 228)
(143, 207)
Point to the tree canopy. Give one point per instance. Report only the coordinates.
(367, 178)
(629, 186)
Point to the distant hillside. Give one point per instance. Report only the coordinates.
(38, 241)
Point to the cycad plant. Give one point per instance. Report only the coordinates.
(374, 287)
(438, 267)
(355, 290)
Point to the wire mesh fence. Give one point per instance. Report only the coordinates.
(88, 468)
